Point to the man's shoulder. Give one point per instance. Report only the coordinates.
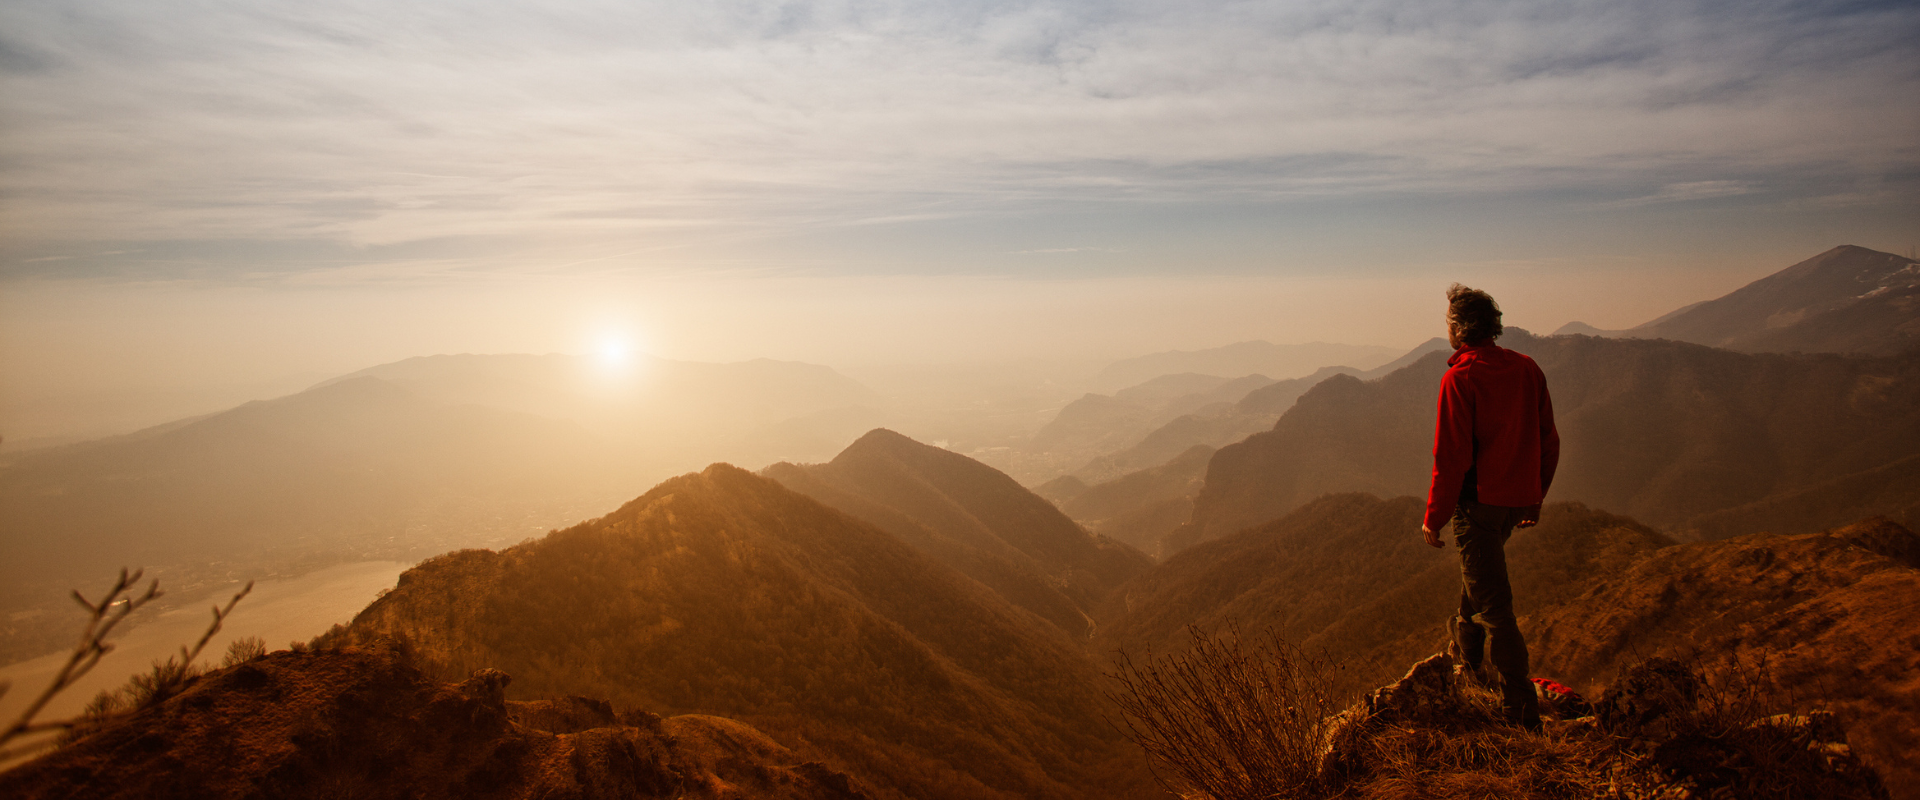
(1491, 359)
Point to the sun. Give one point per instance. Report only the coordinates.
(613, 352)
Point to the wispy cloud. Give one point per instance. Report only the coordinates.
(379, 124)
(1691, 190)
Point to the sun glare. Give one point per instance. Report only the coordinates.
(614, 352)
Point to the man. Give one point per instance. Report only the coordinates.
(1494, 453)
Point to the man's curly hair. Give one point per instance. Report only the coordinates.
(1474, 313)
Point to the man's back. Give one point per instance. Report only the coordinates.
(1495, 440)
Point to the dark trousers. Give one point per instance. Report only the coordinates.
(1486, 621)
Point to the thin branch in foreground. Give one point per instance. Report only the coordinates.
(113, 608)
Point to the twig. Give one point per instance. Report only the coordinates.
(116, 606)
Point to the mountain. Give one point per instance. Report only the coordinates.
(1097, 424)
(1242, 358)
(1348, 575)
(706, 411)
(1577, 328)
(1141, 507)
(366, 723)
(1846, 300)
(725, 593)
(402, 461)
(345, 470)
(974, 519)
(1664, 431)
(1215, 426)
(1223, 424)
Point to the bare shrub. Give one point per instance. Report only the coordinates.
(1232, 718)
(241, 651)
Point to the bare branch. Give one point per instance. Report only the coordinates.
(114, 607)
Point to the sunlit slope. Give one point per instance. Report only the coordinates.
(1828, 616)
(365, 723)
(974, 519)
(723, 592)
(1349, 574)
(1664, 431)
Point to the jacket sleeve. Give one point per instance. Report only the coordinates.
(1549, 438)
(1452, 449)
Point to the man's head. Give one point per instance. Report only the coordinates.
(1472, 317)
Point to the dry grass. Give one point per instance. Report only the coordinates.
(1232, 718)
(1469, 751)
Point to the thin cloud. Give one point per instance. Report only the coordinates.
(377, 124)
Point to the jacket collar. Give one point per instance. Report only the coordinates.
(1471, 351)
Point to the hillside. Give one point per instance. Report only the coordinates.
(344, 471)
(973, 519)
(725, 593)
(1828, 614)
(1142, 507)
(399, 461)
(365, 723)
(1663, 431)
(1223, 424)
(1350, 574)
(1595, 591)
(1846, 300)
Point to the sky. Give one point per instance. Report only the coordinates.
(207, 201)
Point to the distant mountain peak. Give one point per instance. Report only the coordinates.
(1847, 299)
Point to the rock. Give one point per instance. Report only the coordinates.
(1647, 699)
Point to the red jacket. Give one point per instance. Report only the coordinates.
(1495, 441)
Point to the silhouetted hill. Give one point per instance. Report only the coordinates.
(1221, 425)
(974, 519)
(367, 724)
(725, 593)
(1846, 300)
(336, 471)
(1242, 358)
(1141, 507)
(1215, 426)
(1665, 431)
(1830, 614)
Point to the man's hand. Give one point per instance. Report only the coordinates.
(1433, 537)
(1529, 517)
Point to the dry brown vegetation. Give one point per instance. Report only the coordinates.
(366, 723)
(1234, 720)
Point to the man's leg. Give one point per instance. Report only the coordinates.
(1489, 595)
(1469, 639)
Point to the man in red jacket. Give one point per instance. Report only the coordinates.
(1494, 453)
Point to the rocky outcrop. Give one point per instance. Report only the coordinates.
(366, 723)
(1662, 731)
